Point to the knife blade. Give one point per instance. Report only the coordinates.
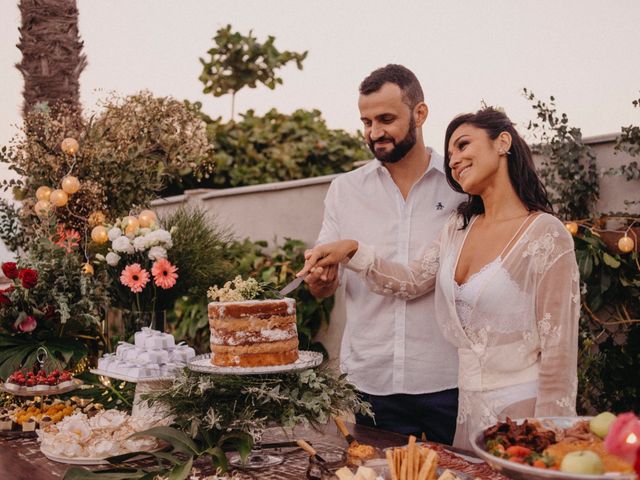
(291, 286)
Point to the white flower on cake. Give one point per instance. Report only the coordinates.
(108, 419)
(236, 290)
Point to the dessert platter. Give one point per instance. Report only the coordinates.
(562, 448)
(81, 439)
(254, 337)
(30, 384)
(24, 420)
(154, 356)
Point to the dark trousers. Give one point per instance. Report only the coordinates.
(431, 413)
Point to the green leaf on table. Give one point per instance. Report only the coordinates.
(77, 473)
(218, 458)
(180, 472)
(179, 440)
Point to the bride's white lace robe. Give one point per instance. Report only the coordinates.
(522, 329)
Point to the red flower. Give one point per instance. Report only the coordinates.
(29, 324)
(10, 270)
(28, 277)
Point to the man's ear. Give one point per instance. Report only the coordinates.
(420, 114)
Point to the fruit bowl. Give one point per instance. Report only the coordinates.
(517, 471)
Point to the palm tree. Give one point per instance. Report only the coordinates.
(52, 58)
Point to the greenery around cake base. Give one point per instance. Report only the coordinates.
(218, 413)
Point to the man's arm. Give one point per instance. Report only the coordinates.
(324, 282)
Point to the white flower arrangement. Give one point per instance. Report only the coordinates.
(106, 434)
(236, 290)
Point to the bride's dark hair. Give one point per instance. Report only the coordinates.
(522, 171)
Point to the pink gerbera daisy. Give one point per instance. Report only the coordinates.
(164, 273)
(134, 277)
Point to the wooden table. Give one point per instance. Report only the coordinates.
(20, 458)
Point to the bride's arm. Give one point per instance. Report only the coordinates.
(382, 276)
(557, 315)
(396, 279)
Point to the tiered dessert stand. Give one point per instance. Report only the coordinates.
(257, 459)
(41, 357)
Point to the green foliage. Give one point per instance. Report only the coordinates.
(214, 413)
(10, 226)
(609, 327)
(201, 250)
(237, 61)
(277, 147)
(128, 152)
(568, 168)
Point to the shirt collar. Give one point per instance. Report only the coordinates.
(436, 162)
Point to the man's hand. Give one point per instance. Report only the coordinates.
(323, 281)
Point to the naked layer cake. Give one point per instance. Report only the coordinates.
(253, 333)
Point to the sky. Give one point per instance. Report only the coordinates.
(584, 52)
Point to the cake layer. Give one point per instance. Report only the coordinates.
(268, 347)
(251, 324)
(258, 308)
(249, 336)
(254, 359)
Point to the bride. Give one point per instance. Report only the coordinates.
(505, 276)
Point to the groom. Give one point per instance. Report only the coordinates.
(392, 349)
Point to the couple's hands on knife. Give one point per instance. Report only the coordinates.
(321, 262)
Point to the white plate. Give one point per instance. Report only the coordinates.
(77, 383)
(87, 460)
(518, 471)
(306, 359)
(127, 378)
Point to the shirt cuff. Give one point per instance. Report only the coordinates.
(362, 259)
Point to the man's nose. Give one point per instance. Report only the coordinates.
(377, 132)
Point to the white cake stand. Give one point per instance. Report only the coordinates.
(257, 459)
(306, 359)
(144, 385)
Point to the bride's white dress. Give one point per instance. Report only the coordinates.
(515, 322)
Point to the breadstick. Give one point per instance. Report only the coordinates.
(391, 462)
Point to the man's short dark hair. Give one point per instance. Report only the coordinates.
(403, 77)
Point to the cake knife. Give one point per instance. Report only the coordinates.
(291, 286)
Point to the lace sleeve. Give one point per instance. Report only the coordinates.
(557, 314)
(396, 279)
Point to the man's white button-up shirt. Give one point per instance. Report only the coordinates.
(391, 345)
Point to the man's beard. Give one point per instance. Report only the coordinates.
(399, 149)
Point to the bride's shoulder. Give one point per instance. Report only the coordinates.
(548, 224)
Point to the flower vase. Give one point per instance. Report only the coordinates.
(154, 319)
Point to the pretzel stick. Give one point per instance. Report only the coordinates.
(391, 462)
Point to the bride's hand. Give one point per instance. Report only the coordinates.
(328, 254)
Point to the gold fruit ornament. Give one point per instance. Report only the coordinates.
(59, 198)
(626, 244)
(43, 193)
(96, 218)
(42, 208)
(70, 146)
(99, 234)
(572, 227)
(147, 218)
(70, 184)
(87, 269)
(130, 224)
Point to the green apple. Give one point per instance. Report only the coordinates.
(600, 423)
(584, 461)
